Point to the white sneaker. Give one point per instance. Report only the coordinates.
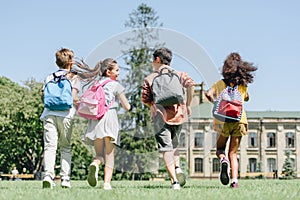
(93, 174)
(176, 186)
(180, 176)
(107, 186)
(48, 182)
(65, 183)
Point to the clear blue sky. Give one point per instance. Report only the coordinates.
(266, 33)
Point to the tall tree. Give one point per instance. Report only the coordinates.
(138, 148)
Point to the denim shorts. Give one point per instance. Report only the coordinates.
(167, 136)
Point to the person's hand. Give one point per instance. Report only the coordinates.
(188, 110)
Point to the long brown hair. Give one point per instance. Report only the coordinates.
(88, 74)
(237, 71)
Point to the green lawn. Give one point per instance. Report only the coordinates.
(154, 190)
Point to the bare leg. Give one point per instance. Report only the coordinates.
(99, 149)
(109, 160)
(168, 157)
(176, 158)
(232, 154)
(221, 145)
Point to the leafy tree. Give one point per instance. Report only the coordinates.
(137, 154)
(21, 131)
(20, 127)
(288, 169)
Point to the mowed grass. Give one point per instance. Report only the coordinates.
(154, 190)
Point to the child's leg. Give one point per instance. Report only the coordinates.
(109, 159)
(168, 157)
(221, 146)
(65, 129)
(50, 145)
(92, 177)
(99, 149)
(232, 154)
(176, 158)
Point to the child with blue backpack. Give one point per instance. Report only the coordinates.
(60, 101)
(237, 74)
(103, 134)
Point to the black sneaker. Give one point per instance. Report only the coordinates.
(224, 176)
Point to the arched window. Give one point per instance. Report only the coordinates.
(290, 140)
(182, 139)
(252, 164)
(271, 164)
(252, 139)
(198, 139)
(198, 165)
(271, 142)
(216, 165)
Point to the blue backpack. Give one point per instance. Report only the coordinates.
(58, 93)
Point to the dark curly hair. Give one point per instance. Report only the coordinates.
(237, 71)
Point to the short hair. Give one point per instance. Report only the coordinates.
(164, 54)
(64, 57)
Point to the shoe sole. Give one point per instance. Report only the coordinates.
(92, 176)
(181, 179)
(65, 186)
(224, 174)
(46, 184)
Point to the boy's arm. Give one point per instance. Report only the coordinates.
(188, 83)
(190, 94)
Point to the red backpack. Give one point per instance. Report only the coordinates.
(229, 105)
(92, 104)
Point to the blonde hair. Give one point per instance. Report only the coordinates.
(64, 58)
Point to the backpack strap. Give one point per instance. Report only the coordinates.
(170, 70)
(104, 83)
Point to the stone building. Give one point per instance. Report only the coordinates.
(262, 152)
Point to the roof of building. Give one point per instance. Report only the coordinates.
(204, 110)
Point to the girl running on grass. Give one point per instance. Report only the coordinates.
(103, 133)
(235, 72)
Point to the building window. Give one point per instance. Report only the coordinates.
(198, 165)
(252, 164)
(214, 139)
(198, 139)
(290, 140)
(182, 140)
(271, 164)
(216, 165)
(271, 140)
(252, 139)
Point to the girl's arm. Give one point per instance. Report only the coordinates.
(75, 97)
(124, 101)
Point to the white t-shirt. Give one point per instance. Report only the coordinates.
(75, 82)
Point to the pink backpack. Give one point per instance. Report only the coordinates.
(92, 104)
